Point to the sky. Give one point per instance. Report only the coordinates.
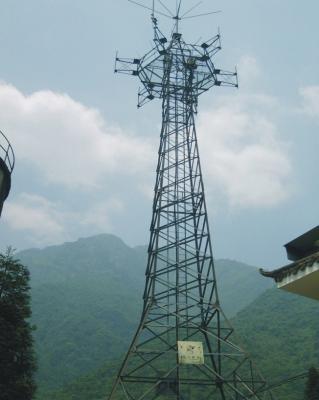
(86, 156)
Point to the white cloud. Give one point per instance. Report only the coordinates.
(99, 216)
(36, 216)
(45, 222)
(243, 157)
(72, 145)
(67, 142)
(310, 97)
(248, 71)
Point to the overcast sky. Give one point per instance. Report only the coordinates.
(86, 156)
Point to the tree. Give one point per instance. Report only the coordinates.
(17, 359)
(312, 385)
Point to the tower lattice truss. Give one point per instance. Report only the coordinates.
(183, 348)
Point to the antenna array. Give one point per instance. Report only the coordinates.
(183, 348)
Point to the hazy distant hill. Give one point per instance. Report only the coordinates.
(86, 299)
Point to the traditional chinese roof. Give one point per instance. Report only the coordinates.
(300, 277)
(304, 245)
(300, 265)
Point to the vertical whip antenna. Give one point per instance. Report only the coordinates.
(176, 17)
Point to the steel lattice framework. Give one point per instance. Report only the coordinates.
(181, 303)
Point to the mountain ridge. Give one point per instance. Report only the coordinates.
(87, 300)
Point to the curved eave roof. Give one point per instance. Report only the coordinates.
(280, 273)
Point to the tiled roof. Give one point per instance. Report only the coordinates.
(280, 273)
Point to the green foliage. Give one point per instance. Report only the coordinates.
(17, 364)
(94, 386)
(312, 386)
(281, 331)
(86, 301)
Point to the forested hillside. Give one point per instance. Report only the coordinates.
(280, 330)
(86, 299)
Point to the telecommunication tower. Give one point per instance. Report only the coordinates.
(183, 348)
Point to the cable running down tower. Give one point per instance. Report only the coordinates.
(183, 347)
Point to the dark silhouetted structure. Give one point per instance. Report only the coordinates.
(302, 275)
(6, 168)
(183, 348)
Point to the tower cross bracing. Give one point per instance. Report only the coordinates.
(183, 348)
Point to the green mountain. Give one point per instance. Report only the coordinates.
(86, 301)
(281, 331)
(85, 296)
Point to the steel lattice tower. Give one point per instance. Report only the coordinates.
(183, 347)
